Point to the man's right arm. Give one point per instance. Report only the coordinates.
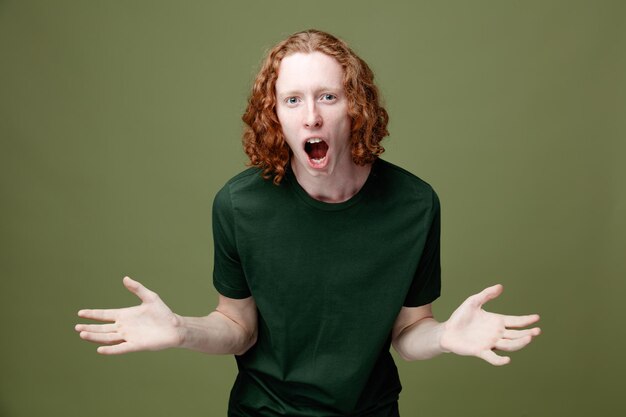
(230, 329)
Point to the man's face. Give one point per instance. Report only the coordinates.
(313, 112)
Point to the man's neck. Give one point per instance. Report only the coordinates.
(337, 187)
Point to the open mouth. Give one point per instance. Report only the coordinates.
(316, 148)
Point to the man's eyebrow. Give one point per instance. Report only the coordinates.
(288, 93)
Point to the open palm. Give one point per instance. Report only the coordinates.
(148, 326)
(472, 331)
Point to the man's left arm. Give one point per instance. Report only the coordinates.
(470, 331)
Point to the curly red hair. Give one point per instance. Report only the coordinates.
(263, 139)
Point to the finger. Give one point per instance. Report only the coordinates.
(106, 338)
(138, 289)
(100, 315)
(96, 328)
(493, 358)
(487, 294)
(516, 334)
(520, 321)
(511, 345)
(118, 349)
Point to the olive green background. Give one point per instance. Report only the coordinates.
(119, 120)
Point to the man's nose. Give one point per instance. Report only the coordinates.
(313, 118)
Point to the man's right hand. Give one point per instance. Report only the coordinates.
(148, 326)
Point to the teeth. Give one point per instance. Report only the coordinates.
(313, 140)
(317, 161)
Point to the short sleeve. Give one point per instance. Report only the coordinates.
(426, 285)
(228, 275)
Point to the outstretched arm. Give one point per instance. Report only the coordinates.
(470, 331)
(231, 328)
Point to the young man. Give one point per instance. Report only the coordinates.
(324, 255)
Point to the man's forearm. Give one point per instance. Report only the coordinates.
(421, 340)
(216, 334)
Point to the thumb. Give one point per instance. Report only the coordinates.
(489, 293)
(138, 289)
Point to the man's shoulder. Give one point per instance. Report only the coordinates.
(405, 190)
(250, 179)
(402, 178)
(245, 185)
(246, 176)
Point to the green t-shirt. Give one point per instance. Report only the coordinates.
(329, 280)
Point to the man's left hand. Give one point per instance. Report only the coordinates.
(472, 331)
